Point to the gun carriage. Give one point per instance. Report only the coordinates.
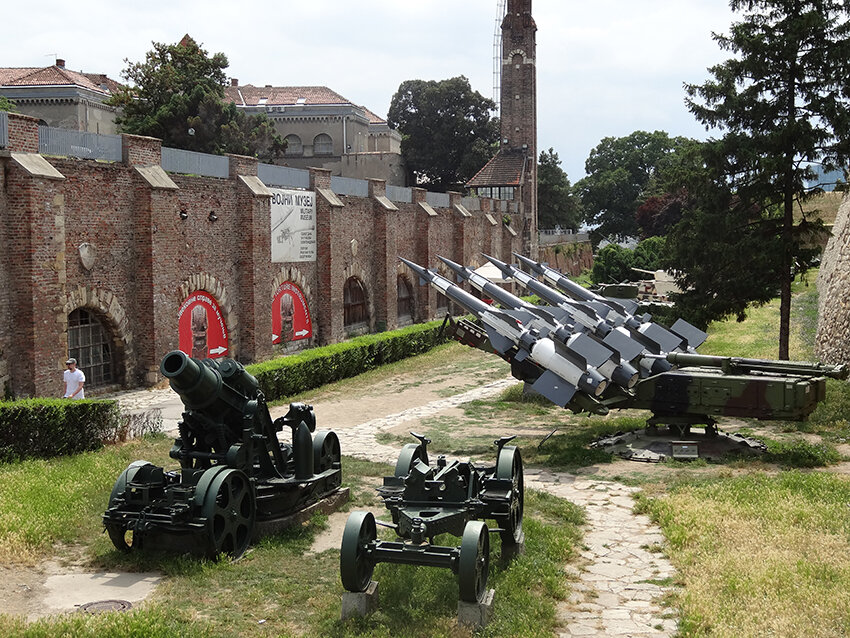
(235, 477)
(425, 501)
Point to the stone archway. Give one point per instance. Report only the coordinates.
(356, 270)
(107, 306)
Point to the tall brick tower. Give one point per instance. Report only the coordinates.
(515, 165)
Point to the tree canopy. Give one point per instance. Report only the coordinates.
(621, 173)
(448, 132)
(556, 204)
(783, 102)
(7, 105)
(177, 95)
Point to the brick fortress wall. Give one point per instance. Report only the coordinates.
(832, 341)
(149, 242)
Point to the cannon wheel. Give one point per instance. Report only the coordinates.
(230, 509)
(124, 539)
(509, 466)
(410, 453)
(355, 564)
(326, 451)
(474, 562)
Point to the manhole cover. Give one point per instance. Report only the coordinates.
(101, 606)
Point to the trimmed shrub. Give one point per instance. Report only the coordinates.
(44, 428)
(310, 369)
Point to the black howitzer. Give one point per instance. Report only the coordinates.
(427, 501)
(235, 477)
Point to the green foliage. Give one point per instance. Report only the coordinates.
(447, 131)
(614, 264)
(783, 103)
(556, 204)
(177, 95)
(7, 105)
(44, 428)
(313, 368)
(621, 174)
(800, 454)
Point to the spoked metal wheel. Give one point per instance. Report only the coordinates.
(124, 539)
(509, 466)
(474, 562)
(230, 510)
(355, 563)
(410, 453)
(326, 451)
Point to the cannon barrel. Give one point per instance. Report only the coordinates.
(201, 384)
(743, 366)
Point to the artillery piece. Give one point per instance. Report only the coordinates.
(235, 477)
(427, 501)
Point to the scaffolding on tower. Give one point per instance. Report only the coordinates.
(497, 51)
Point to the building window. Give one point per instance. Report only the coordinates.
(405, 299)
(323, 144)
(293, 145)
(90, 343)
(355, 310)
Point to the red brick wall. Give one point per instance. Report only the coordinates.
(148, 258)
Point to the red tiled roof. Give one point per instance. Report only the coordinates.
(283, 95)
(250, 95)
(505, 169)
(55, 76)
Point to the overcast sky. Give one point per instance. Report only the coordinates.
(604, 67)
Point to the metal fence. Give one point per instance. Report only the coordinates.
(283, 176)
(399, 194)
(438, 200)
(471, 203)
(175, 160)
(350, 186)
(61, 141)
(4, 129)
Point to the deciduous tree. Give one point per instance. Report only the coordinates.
(556, 204)
(448, 131)
(177, 95)
(619, 173)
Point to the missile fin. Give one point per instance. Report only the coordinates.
(554, 388)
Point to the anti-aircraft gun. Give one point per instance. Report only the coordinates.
(425, 501)
(235, 477)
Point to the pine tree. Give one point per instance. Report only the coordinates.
(783, 103)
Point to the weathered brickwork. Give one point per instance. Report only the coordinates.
(832, 342)
(109, 238)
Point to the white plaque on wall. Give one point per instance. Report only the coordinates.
(293, 223)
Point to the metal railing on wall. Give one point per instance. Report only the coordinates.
(65, 142)
(283, 176)
(175, 160)
(399, 194)
(350, 186)
(438, 200)
(4, 129)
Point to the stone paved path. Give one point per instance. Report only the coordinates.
(619, 582)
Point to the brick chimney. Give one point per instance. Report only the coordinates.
(60, 63)
(234, 82)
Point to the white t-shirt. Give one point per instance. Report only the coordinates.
(74, 380)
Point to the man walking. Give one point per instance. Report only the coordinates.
(74, 380)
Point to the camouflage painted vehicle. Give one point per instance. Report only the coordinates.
(580, 350)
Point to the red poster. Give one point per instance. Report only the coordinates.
(200, 326)
(290, 316)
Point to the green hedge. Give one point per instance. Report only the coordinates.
(296, 373)
(44, 428)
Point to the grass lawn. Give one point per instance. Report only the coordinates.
(761, 547)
